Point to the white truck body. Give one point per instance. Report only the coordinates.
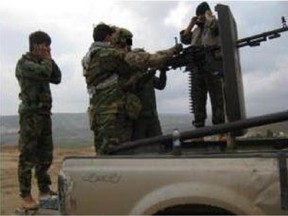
(229, 183)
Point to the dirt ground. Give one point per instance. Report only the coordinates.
(9, 199)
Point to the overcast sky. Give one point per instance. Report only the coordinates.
(154, 25)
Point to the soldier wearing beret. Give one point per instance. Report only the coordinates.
(207, 75)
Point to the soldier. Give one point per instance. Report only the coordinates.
(34, 71)
(147, 124)
(110, 78)
(103, 68)
(207, 75)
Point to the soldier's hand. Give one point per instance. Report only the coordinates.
(43, 51)
(178, 48)
(208, 14)
(194, 20)
(46, 54)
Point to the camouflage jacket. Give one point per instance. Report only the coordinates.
(105, 70)
(34, 76)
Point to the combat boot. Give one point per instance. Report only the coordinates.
(29, 203)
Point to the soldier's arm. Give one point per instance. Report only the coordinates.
(160, 82)
(185, 38)
(186, 34)
(35, 71)
(145, 60)
(159, 59)
(56, 75)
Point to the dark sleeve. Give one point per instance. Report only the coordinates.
(160, 83)
(185, 39)
(56, 75)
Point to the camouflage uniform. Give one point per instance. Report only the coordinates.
(140, 62)
(148, 124)
(110, 77)
(105, 70)
(207, 75)
(35, 143)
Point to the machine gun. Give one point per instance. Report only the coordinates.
(189, 56)
(192, 56)
(255, 40)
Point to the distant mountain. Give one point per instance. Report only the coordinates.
(73, 130)
(67, 129)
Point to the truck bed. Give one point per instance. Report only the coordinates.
(226, 183)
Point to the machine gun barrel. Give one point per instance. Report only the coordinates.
(255, 40)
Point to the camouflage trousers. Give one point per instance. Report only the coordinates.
(36, 151)
(204, 83)
(111, 130)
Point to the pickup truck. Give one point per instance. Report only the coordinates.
(238, 176)
(193, 178)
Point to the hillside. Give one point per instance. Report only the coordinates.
(73, 130)
(67, 129)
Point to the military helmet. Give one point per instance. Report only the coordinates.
(122, 37)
